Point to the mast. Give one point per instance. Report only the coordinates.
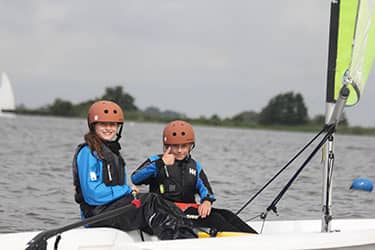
(350, 57)
(330, 102)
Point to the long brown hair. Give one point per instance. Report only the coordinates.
(94, 143)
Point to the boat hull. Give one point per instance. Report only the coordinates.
(302, 234)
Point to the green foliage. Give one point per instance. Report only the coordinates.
(281, 112)
(61, 108)
(344, 120)
(81, 109)
(246, 118)
(152, 111)
(320, 119)
(214, 120)
(155, 114)
(284, 109)
(125, 100)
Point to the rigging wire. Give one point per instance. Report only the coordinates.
(281, 170)
(304, 164)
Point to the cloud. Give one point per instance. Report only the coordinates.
(197, 57)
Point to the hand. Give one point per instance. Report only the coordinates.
(134, 188)
(168, 158)
(204, 209)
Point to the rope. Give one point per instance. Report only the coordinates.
(290, 182)
(281, 170)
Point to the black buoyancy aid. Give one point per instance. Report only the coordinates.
(177, 182)
(77, 186)
(113, 174)
(113, 167)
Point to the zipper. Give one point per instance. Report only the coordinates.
(109, 172)
(166, 171)
(182, 179)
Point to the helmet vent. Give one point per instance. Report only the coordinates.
(183, 133)
(174, 133)
(115, 111)
(106, 111)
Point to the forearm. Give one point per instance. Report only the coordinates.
(100, 194)
(144, 173)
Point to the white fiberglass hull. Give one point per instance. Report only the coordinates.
(303, 234)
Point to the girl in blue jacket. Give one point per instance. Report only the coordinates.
(100, 181)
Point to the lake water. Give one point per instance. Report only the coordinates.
(36, 182)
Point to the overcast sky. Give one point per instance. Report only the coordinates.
(198, 57)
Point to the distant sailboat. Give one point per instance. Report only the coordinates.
(7, 100)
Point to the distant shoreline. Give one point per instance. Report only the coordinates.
(135, 117)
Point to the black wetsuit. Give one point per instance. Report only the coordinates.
(180, 183)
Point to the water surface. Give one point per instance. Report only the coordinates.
(36, 182)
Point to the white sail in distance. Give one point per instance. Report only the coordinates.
(7, 99)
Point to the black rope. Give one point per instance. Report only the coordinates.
(56, 245)
(329, 130)
(40, 240)
(281, 170)
(254, 217)
(141, 234)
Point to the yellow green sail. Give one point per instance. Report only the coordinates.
(352, 36)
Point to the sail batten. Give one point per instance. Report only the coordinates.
(332, 51)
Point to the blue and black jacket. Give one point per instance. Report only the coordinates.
(98, 182)
(178, 183)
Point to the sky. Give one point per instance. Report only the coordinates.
(197, 57)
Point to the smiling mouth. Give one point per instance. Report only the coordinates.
(108, 133)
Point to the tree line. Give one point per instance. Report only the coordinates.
(285, 109)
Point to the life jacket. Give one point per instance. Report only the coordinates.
(178, 182)
(113, 174)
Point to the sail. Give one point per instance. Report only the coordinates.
(351, 47)
(7, 100)
(350, 57)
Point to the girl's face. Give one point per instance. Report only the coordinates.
(180, 151)
(106, 130)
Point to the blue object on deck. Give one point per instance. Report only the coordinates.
(362, 184)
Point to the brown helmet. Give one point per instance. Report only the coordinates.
(178, 132)
(105, 111)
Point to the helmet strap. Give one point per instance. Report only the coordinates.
(92, 127)
(119, 132)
